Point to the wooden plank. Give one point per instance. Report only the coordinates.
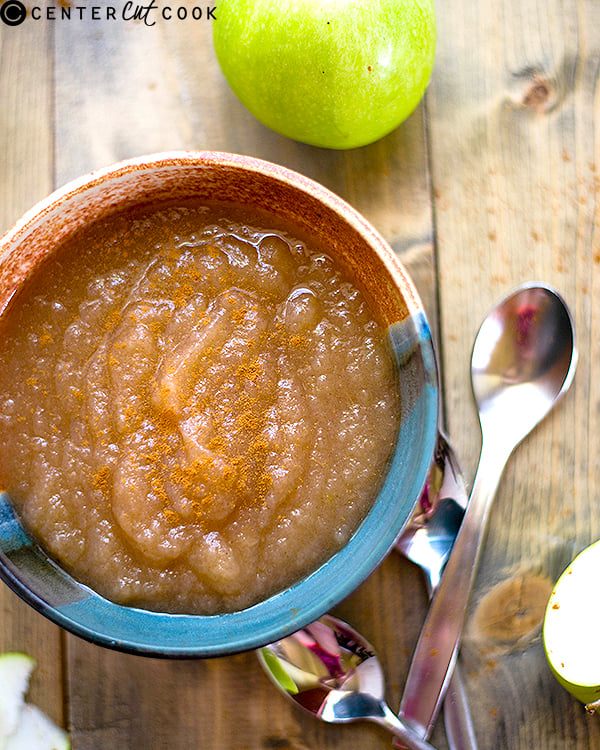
(26, 119)
(26, 177)
(137, 90)
(514, 134)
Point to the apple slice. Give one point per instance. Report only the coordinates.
(571, 627)
(15, 671)
(35, 731)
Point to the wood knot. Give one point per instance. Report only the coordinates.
(534, 91)
(513, 611)
(538, 96)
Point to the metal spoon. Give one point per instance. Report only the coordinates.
(332, 672)
(523, 360)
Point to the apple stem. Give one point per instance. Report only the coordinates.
(591, 707)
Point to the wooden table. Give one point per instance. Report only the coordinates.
(493, 181)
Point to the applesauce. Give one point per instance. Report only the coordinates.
(196, 407)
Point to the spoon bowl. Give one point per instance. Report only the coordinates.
(333, 673)
(523, 359)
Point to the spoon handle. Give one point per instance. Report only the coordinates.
(409, 739)
(435, 652)
(457, 715)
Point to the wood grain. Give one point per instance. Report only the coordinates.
(26, 177)
(513, 126)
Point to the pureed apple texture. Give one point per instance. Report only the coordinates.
(331, 73)
(194, 412)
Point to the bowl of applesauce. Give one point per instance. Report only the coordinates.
(218, 403)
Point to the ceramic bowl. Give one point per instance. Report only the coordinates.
(368, 259)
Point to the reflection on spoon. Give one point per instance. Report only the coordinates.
(332, 672)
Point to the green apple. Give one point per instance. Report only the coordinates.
(332, 73)
(571, 627)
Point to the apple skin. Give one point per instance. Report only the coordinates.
(571, 626)
(331, 73)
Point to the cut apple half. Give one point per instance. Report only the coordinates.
(35, 731)
(22, 725)
(571, 627)
(15, 671)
